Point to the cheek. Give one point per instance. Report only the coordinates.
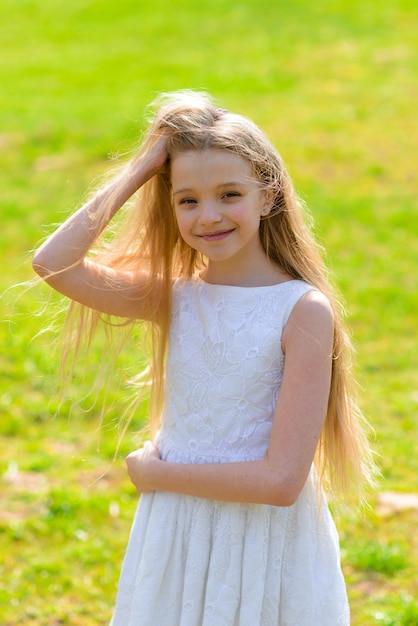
(182, 223)
(247, 217)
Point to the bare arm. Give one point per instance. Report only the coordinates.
(61, 261)
(279, 477)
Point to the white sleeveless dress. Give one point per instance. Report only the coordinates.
(197, 562)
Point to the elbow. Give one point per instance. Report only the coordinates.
(283, 496)
(46, 265)
(40, 266)
(282, 488)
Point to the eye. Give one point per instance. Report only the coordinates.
(231, 194)
(187, 201)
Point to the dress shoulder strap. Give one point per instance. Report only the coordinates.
(297, 289)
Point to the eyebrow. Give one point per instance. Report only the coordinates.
(175, 193)
(232, 183)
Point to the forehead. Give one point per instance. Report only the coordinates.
(210, 163)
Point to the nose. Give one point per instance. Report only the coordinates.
(209, 213)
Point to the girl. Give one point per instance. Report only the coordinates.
(251, 407)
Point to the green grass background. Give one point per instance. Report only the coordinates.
(333, 84)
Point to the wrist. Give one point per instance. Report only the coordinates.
(154, 474)
(140, 170)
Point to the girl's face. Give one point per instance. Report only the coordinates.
(218, 205)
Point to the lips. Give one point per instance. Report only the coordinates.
(216, 235)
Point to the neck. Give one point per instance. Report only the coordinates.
(260, 275)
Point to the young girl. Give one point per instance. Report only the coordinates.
(251, 403)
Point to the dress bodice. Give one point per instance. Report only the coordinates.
(224, 369)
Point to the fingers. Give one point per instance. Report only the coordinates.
(139, 454)
(139, 466)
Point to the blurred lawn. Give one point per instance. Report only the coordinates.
(334, 85)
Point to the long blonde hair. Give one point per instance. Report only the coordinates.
(150, 240)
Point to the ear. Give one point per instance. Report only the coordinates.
(267, 203)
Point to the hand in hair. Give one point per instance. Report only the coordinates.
(62, 260)
(152, 161)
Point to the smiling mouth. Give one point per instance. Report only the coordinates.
(216, 236)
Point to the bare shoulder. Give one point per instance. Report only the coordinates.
(312, 318)
(313, 306)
